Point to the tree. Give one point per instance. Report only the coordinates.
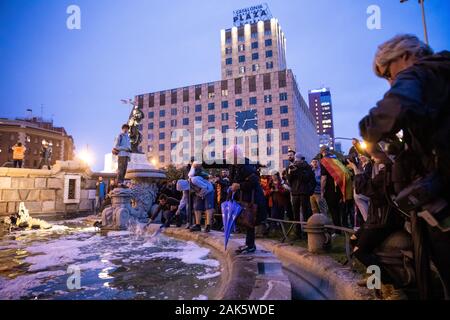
(173, 173)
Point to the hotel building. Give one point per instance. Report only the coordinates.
(256, 92)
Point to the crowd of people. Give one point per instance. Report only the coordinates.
(399, 181)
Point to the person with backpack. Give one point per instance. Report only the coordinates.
(46, 155)
(414, 119)
(302, 182)
(122, 150)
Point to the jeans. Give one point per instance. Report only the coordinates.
(122, 165)
(301, 202)
(362, 202)
(250, 237)
(18, 163)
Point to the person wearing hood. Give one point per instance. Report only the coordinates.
(302, 182)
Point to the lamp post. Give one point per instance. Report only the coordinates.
(422, 4)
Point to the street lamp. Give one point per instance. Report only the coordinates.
(422, 4)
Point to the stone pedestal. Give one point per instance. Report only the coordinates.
(132, 205)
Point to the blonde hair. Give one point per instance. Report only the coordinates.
(397, 47)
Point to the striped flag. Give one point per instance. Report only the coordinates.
(340, 174)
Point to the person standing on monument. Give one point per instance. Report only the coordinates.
(122, 149)
(18, 154)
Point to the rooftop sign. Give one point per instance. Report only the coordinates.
(251, 15)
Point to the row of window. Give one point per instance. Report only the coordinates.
(241, 37)
(255, 56)
(211, 90)
(211, 106)
(284, 137)
(254, 45)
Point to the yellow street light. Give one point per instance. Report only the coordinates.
(86, 157)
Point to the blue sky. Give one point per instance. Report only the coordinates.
(128, 47)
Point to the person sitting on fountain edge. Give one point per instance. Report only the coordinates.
(122, 149)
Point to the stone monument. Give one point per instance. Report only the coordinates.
(130, 206)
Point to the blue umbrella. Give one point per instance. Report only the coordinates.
(230, 211)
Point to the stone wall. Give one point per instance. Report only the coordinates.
(43, 191)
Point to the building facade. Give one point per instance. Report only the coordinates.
(321, 107)
(257, 103)
(31, 132)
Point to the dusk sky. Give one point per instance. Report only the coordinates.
(125, 48)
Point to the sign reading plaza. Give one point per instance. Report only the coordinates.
(251, 15)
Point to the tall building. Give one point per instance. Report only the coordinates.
(257, 95)
(30, 132)
(322, 109)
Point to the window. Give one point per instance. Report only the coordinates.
(286, 163)
(228, 50)
(162, 159)
(185, 94)
(284, 149)
(224, 104)
(173, 123)
(267, 32)
(269, 53)
(150, 148)
(151, 100)
(173, 146)
(185, 121)
(186, 109)
(228, 61)
(173, 96)
(225, 129)
(255, 56)
(241, 47)
(285, 123)
(268, 98)
(150, 126)
(284, 136)
(268, 111)
(150, 137)
(162, 113)
(211, 106)
(161, 147)
(284, 109)
(269, 124)
(266, 82)
(252, 84)
(254, 45)
(254, 35)
(241, 70)
(268, 42)
(198, 119)
(162, 99)
(225, 141)
(229, 73)
(282, 79)
(269, 65)
(224, 116)
(198, 92)
(238, 102)
(151, 115)
(255, 67)
(241, 58)
(198, 108)
(283, 96)
(211, 118)
(162, 124)
(269, 151)
(238, 85)
(173, 111)
(241, 38)
(252, 100)
(269, 137)
(162, 136)
(211, 91)
(228, 39)
(224, 92)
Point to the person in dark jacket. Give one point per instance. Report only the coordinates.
(302, 182)
(245, 183)
(168, 206)
(417, 104)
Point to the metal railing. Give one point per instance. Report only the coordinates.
(347, 232)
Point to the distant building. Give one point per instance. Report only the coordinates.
(338, 147)
(321, 107)
(256, 92)
(30, 132)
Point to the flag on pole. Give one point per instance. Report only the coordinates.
(340, 174)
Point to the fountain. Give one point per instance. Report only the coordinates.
(22, 220)
(131, 206)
